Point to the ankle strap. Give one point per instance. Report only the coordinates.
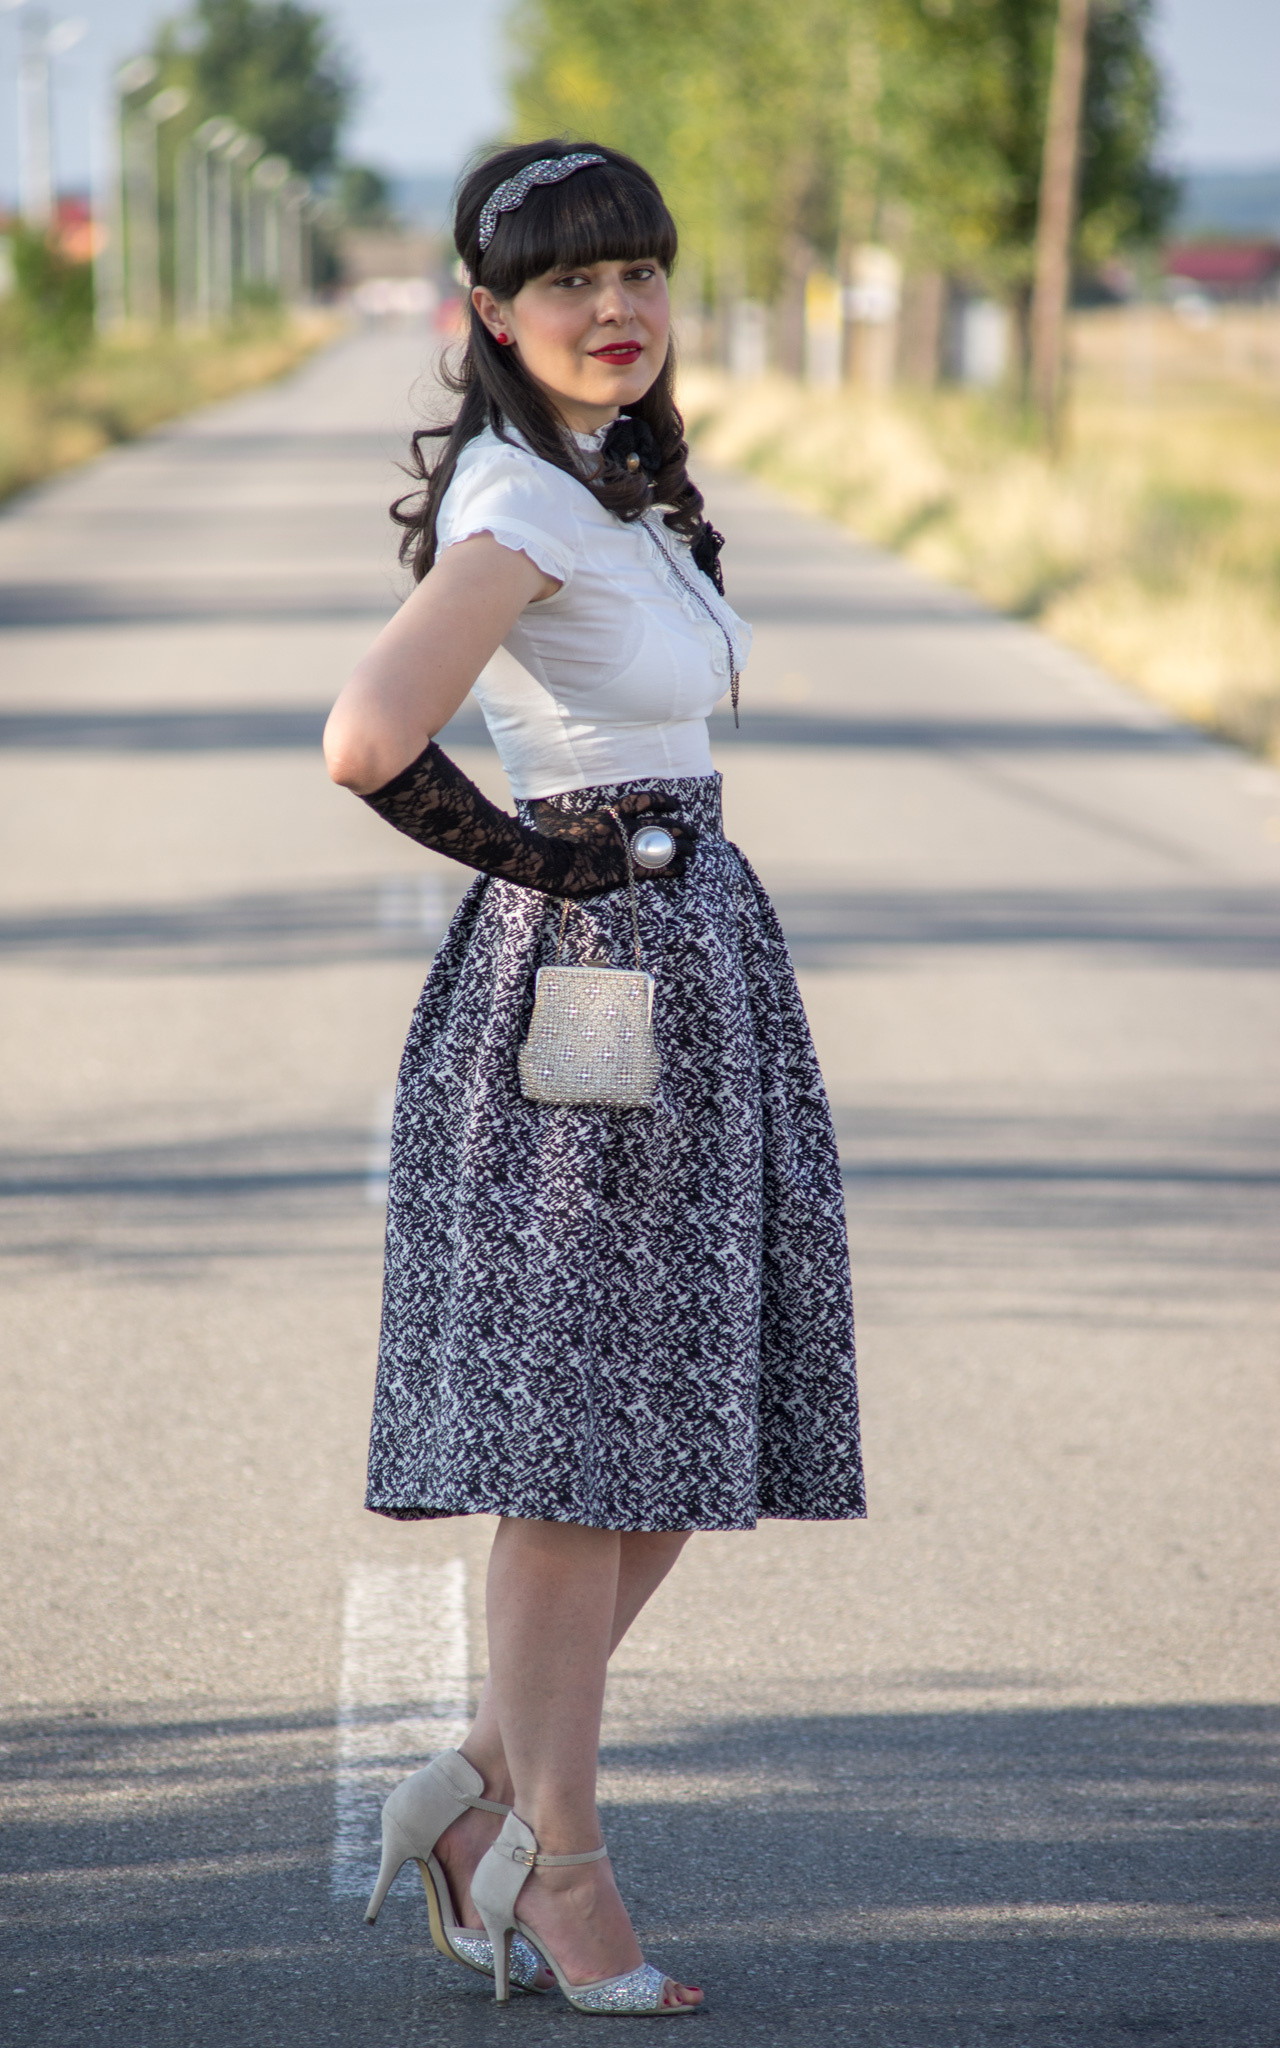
(529, 1857)
(489, 1805)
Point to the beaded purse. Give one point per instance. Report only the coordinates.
(591, 1034)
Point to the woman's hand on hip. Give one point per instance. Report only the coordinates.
(605, 850)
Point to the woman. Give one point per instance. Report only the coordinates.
(606, 1326)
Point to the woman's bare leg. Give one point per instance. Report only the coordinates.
(553, 1594)
(644, 1560)
(560, 1599)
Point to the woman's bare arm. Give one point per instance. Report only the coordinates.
(425, 660)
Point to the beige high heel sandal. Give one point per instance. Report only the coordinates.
(415, 1816)
(500, 1876)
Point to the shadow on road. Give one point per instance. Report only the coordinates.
(1234, 928)
(250, 727)
(1083, 1877)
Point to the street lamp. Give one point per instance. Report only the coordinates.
(111, 277)
(110, 273)
(295, 241)
(220, 166)
(269, 176)
(242, 154)
(144, 292)
(39, 44)
(207, 236)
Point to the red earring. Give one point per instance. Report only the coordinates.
(501, 338)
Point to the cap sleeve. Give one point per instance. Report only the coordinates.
(525, 504)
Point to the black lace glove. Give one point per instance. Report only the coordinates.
(571, 855)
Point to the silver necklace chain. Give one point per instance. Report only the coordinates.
(695, 593)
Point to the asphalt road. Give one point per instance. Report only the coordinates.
(990, 1768)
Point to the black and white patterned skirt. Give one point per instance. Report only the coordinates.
(629, 1319)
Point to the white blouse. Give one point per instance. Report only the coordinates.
(614, 675)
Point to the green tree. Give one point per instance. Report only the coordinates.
(270, 66)
(1125, 199)
(50, 311)
(739, 107)
(966, 89)
(363, 197)
(781, 132)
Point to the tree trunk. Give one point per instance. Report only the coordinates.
(789, 328)
(1056, 218)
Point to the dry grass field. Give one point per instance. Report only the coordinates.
(1152, 544)
(56, 412)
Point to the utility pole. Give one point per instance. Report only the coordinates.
(1056, 221)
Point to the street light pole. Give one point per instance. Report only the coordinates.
(242, 154)
(111, 252)
(124, 227)
(294, 250)
(164, 106)
(208, 139)
(38, 45)
(35, 200)
(142, 199)
(269, 176)
(222, 223)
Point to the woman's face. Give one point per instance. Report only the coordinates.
(593, 339)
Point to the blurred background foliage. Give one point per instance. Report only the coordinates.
(270, 66)
(59, 407)
(48, 315)
(1150, 545)
(784, 134)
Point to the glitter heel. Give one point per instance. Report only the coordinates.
(497, 1884)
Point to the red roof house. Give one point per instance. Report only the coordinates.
(1227, 270)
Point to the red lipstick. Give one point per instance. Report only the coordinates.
(623, 353)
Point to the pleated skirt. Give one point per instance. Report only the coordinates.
(627, 1319)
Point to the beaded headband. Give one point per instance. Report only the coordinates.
(506, 198)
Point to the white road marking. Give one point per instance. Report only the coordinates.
(402, 1697)
(378, 1161)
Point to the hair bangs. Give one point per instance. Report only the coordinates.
(598, 215)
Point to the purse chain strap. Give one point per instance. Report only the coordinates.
(616, 815)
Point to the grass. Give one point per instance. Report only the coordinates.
(57, 410)
(1152, 545)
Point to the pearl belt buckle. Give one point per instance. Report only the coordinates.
(653, 847)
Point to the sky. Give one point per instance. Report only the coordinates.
(432, 78)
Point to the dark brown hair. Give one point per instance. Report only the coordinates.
(609, 212)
